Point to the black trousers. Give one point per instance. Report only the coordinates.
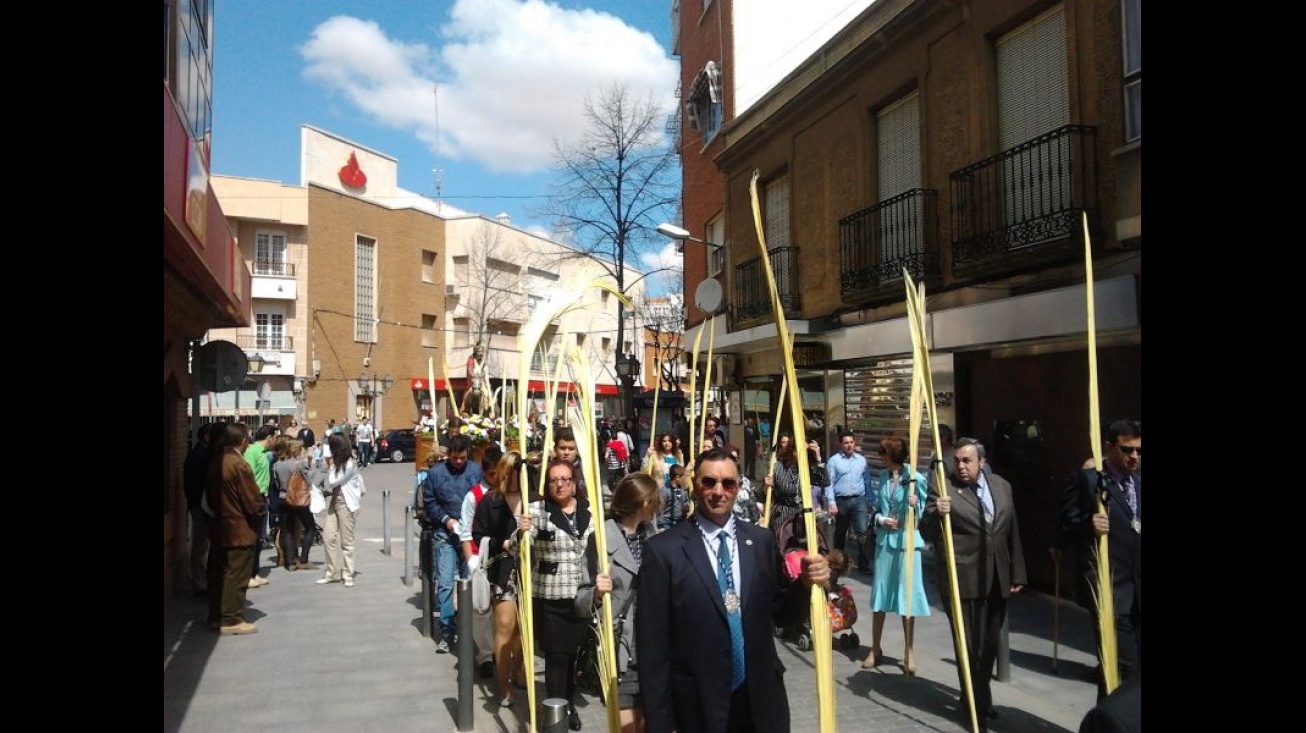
(982, 620)
(1129, 642)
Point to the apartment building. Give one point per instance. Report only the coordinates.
(205, 285)
(966, 142)
(362, 288)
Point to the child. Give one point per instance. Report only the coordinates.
(843, 609)
(675, 499)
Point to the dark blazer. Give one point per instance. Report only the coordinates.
(983, 551)
(495, 520)
(683, 639)
(1124, 545)
(1119, 712)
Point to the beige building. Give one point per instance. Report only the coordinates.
(359, 285)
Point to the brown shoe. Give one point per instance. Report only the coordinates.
(244, 627)
(301, 565)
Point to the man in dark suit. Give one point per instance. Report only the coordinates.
(1122, 523)
(990, 562)
(710, 596)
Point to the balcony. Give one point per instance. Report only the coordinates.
(251, 342)
(274, 269)
(1023, 206)
(753, 295)
(878, 242)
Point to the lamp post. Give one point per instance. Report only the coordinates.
(255, 366)
(671, 231)
(628, 370)
(373, 387)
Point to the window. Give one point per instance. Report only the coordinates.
(269, 254)
(1133, 30)
(269, 331)
(365, 289)
(606, 343)
(776, 213)
(430, 336)
(898, 226)
(1033, 99)
(716, 256)
(704, 105)
(428, 266)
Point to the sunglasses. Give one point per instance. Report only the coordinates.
(1129, 450)
(708, 482)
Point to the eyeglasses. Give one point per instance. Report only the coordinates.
(561, 481)
(1129, 450)
(708, 482)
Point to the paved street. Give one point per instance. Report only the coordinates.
(330, 658)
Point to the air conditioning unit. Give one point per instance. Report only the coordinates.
(450, 289)
(723, 371)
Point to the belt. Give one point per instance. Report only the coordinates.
(849, 496)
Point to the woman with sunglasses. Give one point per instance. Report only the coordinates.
(900, 488)
(560, 529)
(786, 502)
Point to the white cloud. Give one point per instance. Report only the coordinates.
(513, 76)
(673, 274)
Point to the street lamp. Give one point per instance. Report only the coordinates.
(672, 231)
(628, 370)
(254, 365)
(372, 387)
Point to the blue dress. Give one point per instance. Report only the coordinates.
(887, 593)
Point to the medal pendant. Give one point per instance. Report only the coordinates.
(731, 599)
(1137, 524)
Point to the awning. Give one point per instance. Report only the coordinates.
(223, 404)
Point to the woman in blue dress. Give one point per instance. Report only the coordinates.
(896, 493)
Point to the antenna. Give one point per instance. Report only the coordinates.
(439, 172)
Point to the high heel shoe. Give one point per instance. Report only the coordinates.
(872, 659)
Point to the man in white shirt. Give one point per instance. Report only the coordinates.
(365, 435)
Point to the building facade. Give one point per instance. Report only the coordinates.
(206, 284)
(362, 291)
(967, 143)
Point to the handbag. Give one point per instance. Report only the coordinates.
(317, 502)
(588, 677)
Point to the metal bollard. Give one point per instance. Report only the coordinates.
(408, 546)
(385, 522)
(427, 564)
(1004, 652)
(466, 655)
(554, 715)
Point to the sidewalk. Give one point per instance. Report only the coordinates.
(329, 658)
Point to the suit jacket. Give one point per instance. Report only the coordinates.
(985, 553)
(683, 638)
(624, 572)
(1119, 712)
(1124, 545)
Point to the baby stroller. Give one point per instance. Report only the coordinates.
(841, 605)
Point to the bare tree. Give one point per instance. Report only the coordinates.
(491, 295)
(615, 183)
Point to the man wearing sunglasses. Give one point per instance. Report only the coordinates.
(711, 593)
(1121, 486)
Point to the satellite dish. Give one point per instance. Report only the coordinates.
(264, 391)
(222, 366)
(708, 296)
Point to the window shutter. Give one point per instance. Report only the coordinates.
(1033, 80)
(898, 132)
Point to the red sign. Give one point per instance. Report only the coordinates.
(417, 384)
(351, 175)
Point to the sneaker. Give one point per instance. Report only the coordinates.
(349, 582)
(244, 627)
(442, 647)
(326, 579)
(257, 582)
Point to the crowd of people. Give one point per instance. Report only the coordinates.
(689, 568)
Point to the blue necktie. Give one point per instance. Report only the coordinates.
(726, 580)
(986, 499)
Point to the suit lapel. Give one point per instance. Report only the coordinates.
(695, 551)
(750, 568)
(619, 550)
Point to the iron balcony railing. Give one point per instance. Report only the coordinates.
(276, 269)
(753, 295)
(1030, 195)
(878, 242)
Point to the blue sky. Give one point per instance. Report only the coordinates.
(512, 78)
